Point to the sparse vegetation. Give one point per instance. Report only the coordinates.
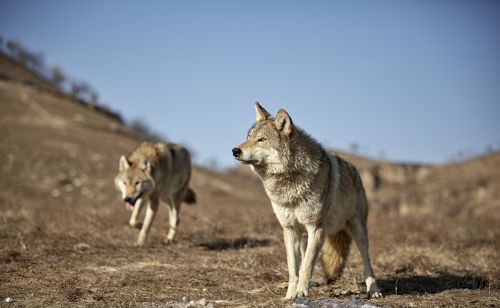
(30, 60)
(79, 91)
(143, 129)
(58, 78)
(34, 62)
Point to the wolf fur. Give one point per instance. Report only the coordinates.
(311, 192)
(154, 172)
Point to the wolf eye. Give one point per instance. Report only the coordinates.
(262, 139)
(136, 183)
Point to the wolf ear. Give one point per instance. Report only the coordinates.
(261, 114)
(145, 165)
(283, 122)
(124, 164)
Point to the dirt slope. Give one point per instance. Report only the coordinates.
(64, 236)
(465, 189)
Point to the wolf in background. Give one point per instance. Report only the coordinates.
(312, 192)
(154, 172)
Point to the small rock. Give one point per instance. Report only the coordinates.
(81, 246)
(77, 182)
(87, 192)
(78, 117)
(202, 302)
(9, 300)
(55, 193)
(109, 269)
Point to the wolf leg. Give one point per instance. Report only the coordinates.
(173, 220)
(148, 219)
(315, 238)
(292, 245)
(133, 222)
(303, 245)
(360, 235)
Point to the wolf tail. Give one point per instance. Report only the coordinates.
(334, 254)
(190, 197)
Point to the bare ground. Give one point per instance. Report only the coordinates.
(64, 237)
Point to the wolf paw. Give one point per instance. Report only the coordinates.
(137, 224)
(291, 292)
(290, 295)
(167, 241)
(298, 293)
(372, 289)
(376, 294)
(141, 240)
(302, 292)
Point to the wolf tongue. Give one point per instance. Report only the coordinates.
(129, 206)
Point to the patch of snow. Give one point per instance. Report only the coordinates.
(184, 304)
(330, 303)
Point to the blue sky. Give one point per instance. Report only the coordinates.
(416, 80)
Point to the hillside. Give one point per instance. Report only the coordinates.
(468, 189)
(64, 236)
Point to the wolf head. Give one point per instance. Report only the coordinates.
(134, 180)
(268, 140)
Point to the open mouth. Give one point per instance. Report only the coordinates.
(129, 205)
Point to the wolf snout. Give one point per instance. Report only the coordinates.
(236, 152)
(129, 200)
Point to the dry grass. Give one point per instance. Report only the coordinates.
(64, 237)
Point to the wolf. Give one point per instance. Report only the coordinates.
(318, 198)
(154, 172)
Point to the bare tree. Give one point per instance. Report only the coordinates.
(142, 128)
(213, 163)
(489, 149)
(79, 89)
(94, 98)
(30, 60)
(57, 77)
(36, 62)
(14, 50)
(354, 146)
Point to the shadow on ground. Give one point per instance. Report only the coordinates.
(419, 284)
(238, 243)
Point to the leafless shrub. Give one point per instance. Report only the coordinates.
(140, 127)
(58, 77)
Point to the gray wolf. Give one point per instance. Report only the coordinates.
(317, 197)
(154, 172)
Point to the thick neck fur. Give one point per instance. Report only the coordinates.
(302, 157)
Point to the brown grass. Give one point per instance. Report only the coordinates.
(64, 237)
